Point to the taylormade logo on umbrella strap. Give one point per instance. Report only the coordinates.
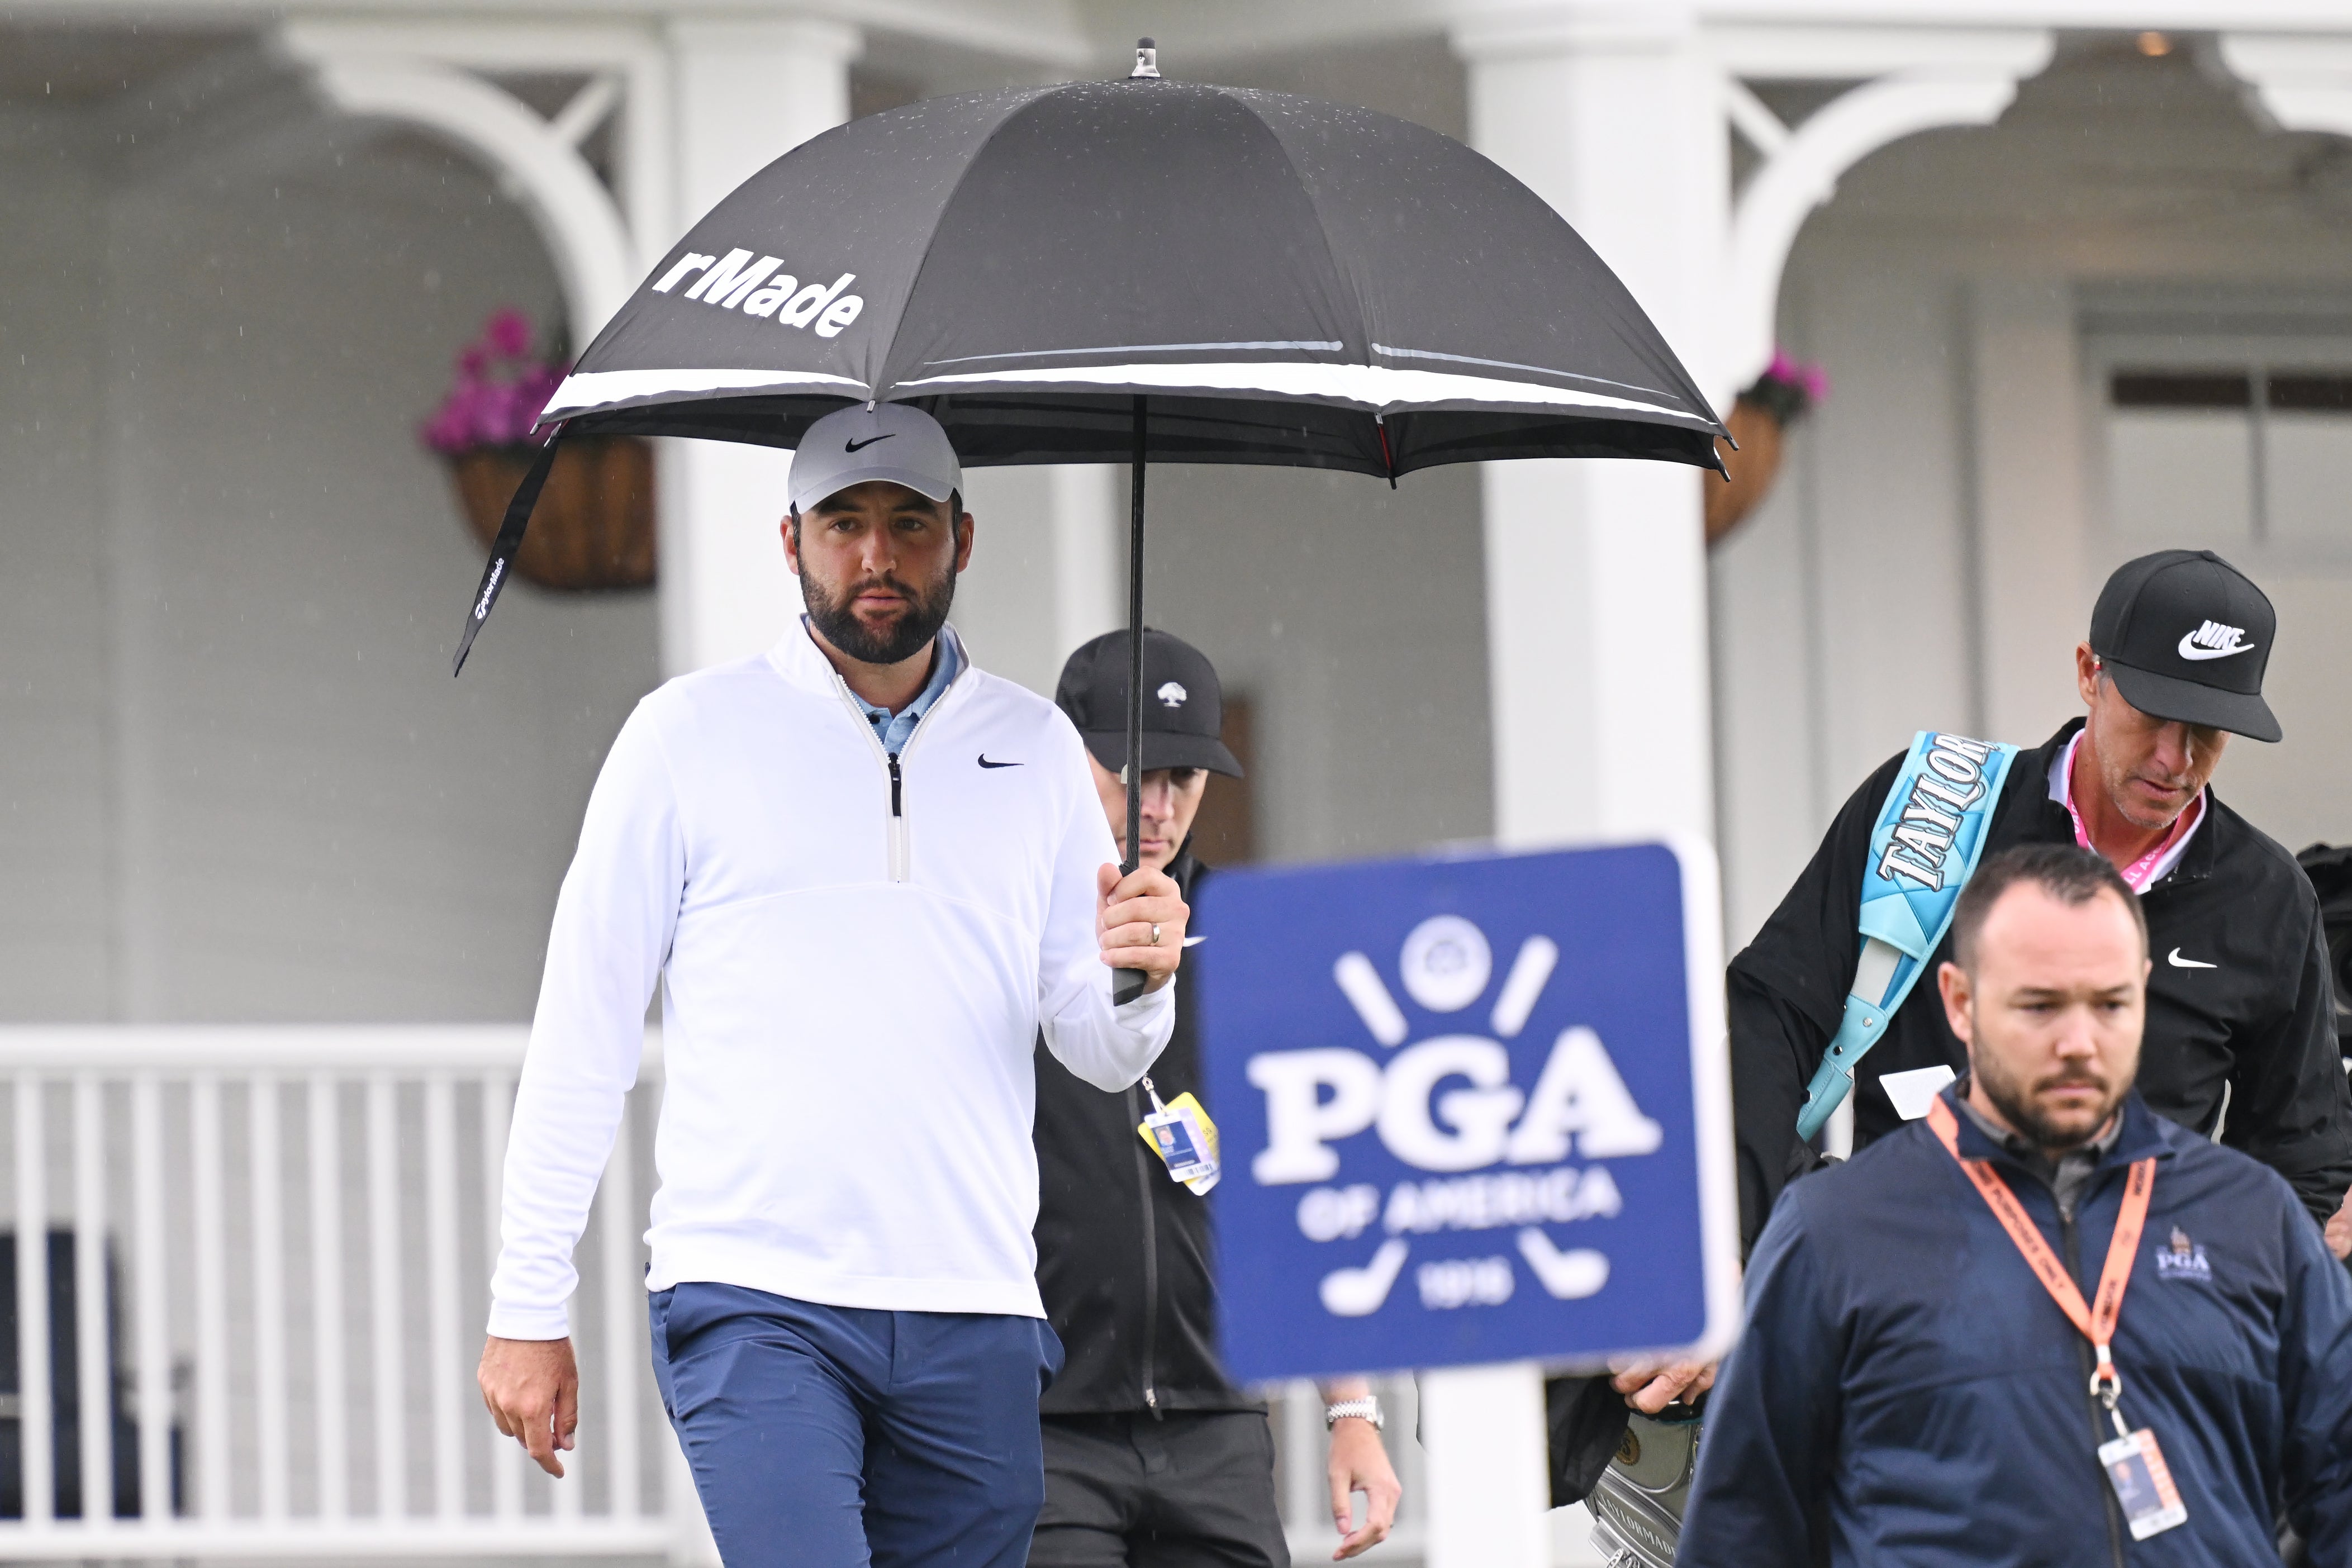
(736, 282)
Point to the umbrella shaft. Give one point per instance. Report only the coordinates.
(1126, 984)
(1135, 651)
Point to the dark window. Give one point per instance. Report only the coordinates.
(2182, 389)
(2313, 394)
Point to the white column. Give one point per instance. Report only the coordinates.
(744, 93)
(1048, 566)
(1596, 602)
(2034, 582)
(1090, 510)
(1596, 599)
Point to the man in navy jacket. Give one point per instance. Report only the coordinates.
(1909, 1390)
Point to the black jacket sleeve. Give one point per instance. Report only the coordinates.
(1775, 1046)
(1786, 993)
(2289, 1104)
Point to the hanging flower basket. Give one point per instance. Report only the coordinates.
(593, 527)
(1783, 394)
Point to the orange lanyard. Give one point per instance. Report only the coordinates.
(2097, 1321)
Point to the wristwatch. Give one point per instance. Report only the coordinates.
(1367, 1408)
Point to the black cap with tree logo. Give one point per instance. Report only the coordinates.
(1183, 705)
(2185, 636)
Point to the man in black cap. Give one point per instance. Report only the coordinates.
(2240, 1033)
(1152, 1455)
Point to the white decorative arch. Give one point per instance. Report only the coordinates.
(537, 161)
(2296, 82)
(1801, 171)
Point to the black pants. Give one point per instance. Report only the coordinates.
(1189, 1489)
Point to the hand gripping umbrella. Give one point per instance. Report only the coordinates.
(1131, 271)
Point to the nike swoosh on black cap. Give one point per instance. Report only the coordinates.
(2186, 636)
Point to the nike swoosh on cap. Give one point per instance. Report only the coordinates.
(986, 764)
(2174, 959)
(2190, 650)
(861, 446)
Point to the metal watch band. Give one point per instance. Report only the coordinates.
(1367, 1408)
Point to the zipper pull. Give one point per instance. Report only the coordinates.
(1151, 1399)
(894, 788)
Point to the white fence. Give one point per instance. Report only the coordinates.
(263, 1258)
(272, 1250)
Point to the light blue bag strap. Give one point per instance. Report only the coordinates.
(1930, 834)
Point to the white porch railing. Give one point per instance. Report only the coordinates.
(264, 1258)
(272, 1249)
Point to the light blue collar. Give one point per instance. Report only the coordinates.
(893, 730)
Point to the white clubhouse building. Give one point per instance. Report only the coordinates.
(274, 890)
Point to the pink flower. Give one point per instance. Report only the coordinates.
(497, 393)
(1810, 379)
(509, 332)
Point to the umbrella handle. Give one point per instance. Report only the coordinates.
(1126, 984)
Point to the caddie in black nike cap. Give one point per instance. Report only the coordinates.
(2185, 636)
(1183, 706)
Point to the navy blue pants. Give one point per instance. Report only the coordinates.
(840, 1437)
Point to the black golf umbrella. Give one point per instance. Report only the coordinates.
(1136, 270)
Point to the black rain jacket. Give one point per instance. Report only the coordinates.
(1123, 1253)
(2240, 1006)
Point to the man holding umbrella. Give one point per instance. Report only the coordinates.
(868, 876)
(1151, 1453)
(1117, 271)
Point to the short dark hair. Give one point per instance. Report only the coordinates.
(2066, 872)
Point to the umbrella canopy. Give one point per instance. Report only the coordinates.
(1289, 281)
(1141, 270)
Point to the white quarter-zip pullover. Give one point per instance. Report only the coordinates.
(858, 952)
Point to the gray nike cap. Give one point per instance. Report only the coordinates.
(892, 441)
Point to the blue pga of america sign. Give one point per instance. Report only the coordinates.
(1471, 1111)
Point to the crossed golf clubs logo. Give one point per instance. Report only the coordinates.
(1446, 965)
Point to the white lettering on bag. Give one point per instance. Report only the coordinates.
(1951, 782)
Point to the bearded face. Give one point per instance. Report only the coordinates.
(877, 567)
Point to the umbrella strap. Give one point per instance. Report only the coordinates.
(505, 547)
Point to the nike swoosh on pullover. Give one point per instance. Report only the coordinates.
(851, 994)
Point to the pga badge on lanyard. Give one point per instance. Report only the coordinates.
(1184, 1137)
(2134, 1463)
